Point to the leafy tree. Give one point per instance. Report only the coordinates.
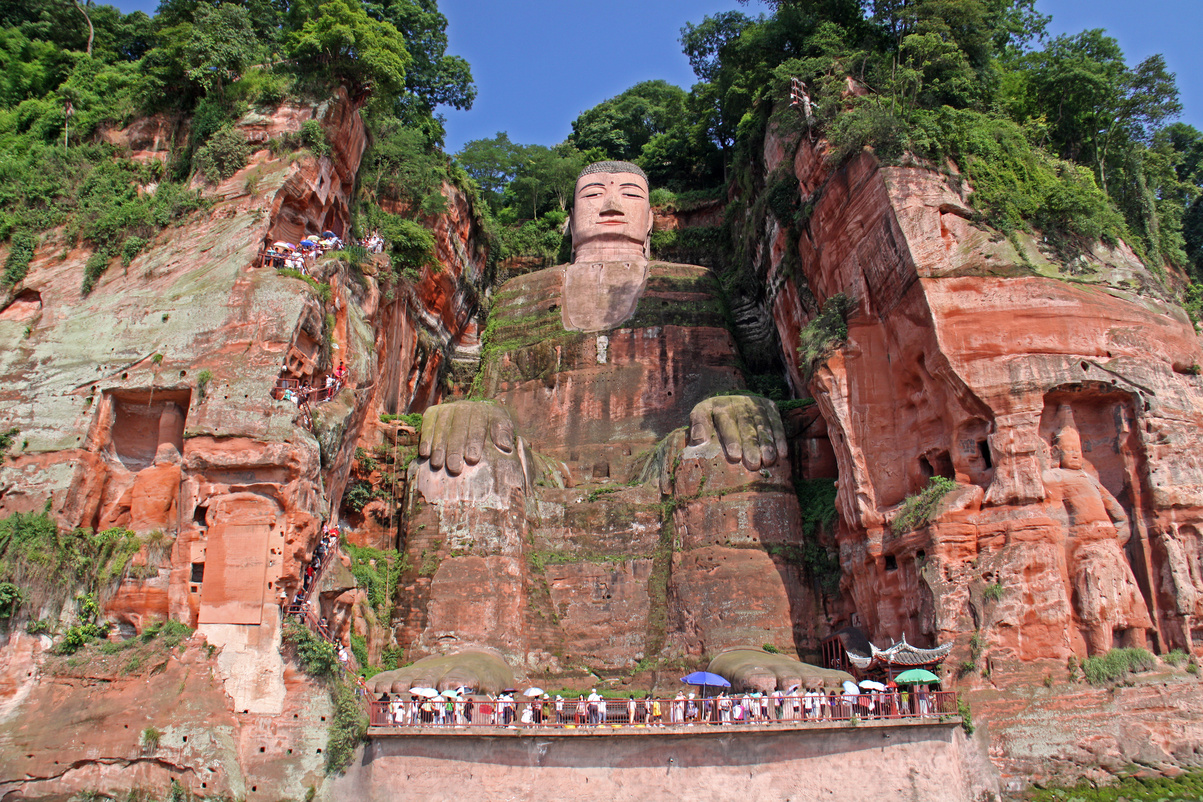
(433, 78)
(222, 45)
(405, 165)
(545, 176)
(622, 125)
(492, 163)
(1092, 103)
(347, 45)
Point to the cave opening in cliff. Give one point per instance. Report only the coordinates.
(891, 562)
(937, 464)
(140, 421)
(983, 448)
(198, 573)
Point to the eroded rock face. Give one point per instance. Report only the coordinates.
(1067, 414)
(147, 405)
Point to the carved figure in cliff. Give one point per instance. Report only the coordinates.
(606, 374)
(1106, 597)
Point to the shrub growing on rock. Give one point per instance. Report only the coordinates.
(1116, 665)
(223, 155)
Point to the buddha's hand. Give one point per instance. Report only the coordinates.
(463, 432)
(748, 428)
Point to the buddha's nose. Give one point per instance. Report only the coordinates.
(611, 206)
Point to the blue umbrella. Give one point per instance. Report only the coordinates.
(705, 679)
(308, 243)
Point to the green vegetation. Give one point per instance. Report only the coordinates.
(358, 495)
(224, 154)
(50, 566)
(918, 508)
(1189, 786)
(1175, 658)
(413, 419)
(347, 728)
(150, 740)
(315, 656)
(202, 382)
(6, 440)
(322, 291)
(993, 592)
(377, 573)
(213, 61)
(319, 659)
(966, 715)
(20, 253)
(816, 498)
(826, 331)
(1116, 665)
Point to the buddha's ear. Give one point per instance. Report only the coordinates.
(566, 231)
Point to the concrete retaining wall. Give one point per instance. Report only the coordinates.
(870, 762)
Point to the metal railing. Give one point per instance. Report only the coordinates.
(315, 395)
(401, 713)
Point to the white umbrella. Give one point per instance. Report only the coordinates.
(287, 245)
(872, 685)
(850, 687)
(429, 693)
(451, 693)
(463, 689)
(793, 688)
(534, 692)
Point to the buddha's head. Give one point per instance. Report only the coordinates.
(1068, 441)
(611, 215)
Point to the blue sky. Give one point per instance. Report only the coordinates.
(540, 63)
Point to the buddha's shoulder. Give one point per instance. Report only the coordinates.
(676, 277)
(536, 289)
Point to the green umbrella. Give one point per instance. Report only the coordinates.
(916, 676)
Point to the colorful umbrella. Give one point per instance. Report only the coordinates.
(916, 676)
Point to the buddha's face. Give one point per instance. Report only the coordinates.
(611, 217)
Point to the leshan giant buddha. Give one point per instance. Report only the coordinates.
(616, 497)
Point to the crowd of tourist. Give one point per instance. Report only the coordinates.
(303, 255)
(459, 708)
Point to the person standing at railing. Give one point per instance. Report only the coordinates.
(724, 708)
(657, 713)
(631, 710)
(559, 709)
(593, 707)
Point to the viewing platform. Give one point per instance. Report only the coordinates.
(625, 717)
(852, 759)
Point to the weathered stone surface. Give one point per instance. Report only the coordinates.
(1067, 412)
(933, 763)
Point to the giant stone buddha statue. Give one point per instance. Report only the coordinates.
(614, 496)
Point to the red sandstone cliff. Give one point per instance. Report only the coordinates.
(1065, 406)
(147, 405)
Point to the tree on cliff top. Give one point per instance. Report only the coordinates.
(964, 80)
(434, 78)
(222, 45)
(349, 46)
